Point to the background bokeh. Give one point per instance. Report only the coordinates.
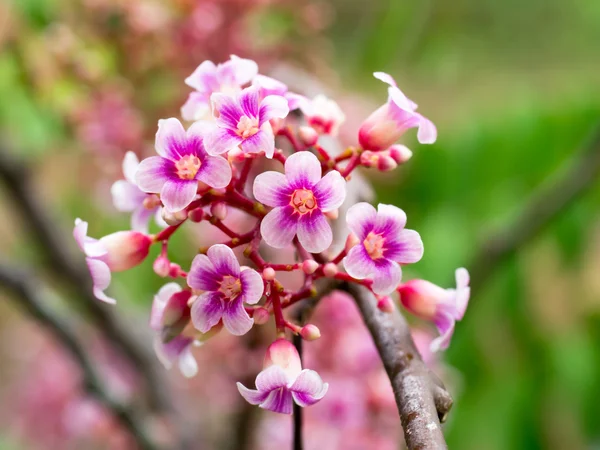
(513, 88)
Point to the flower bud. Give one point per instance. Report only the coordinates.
(125, 249)
(161, 266)
(173, 218)
(333, 214)
(268, 273)
(174, 270)
(196, 215)
(310, 332)
(151, 201)
(261, 316)
(420, 297)
(369, 158)
(282, 353)
(380, 130)
(330, 270)
(400, 153)
(219, 210)
(308, 136)
(236, 155)
(386, 163)
(385, 304)
(309, 266)
(277, 124)
(351, 241)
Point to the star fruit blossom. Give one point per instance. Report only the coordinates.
(182, 162)
(442, 306)
(128, 197)
(389, 122)
(168, 308)
(383, 245)
(226, 288)
(209, 78)
(283, 381)
(299, 198)
(322, 114)
(115, 252)
(243, 121)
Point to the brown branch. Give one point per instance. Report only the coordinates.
(539, 211)
(58, 260)
(421, 398)
(28, 289)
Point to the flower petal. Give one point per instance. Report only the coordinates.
(279, 227)
(279, 401)
(463, 292)
(308, 388)
(330, 191)
(243, 69)
(252, 286)
(249, 100)
(221, 140)
(196, 107)
(177, 194)
(153, 173)
(445, 325)
(406, 247)
(235, 318)
(224, 260)
(140, 218)
(314, 232)
(89, 246)
(386, 277)
(401, 100)
(215, 171)
(272, 189)
(129, 166)
(272, 377)
(126, 196)
(187, 363)
(252, 396)
(206, 311)
(358, 263)
(203, 78)
(169, 137)
(226, 110)
(160, 302)
(273, 106)
(390, 220)
(100, 279)
(361, 219)
(203, 275)
(269, 86)
(303, 170)
(263, 141)
(427, 133)
(386, 78)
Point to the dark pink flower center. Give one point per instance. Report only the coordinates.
(303, 201)
(374, 245)
(187, 167)
(247, 127)
(230, 287)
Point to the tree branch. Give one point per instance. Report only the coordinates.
(23, 285)
(15, 177)
(421, 398)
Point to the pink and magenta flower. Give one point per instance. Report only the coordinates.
(271, 86)
(208, 78)
(283, 381)
(383, 245)
(388, 123)
(322, 114)
(442, 306)
(183, 161)
(226, 288)
(243, 121)
(299, 200)
(115, 252)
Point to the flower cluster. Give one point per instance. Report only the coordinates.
(218, 163)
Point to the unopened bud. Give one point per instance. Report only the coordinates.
(310, 332)
(219, 210)
(351, 241)
(369, 158)
(125, 249)
(333, 214)
(385, 304)
(400, 153)
(308, 136)
(151, 201)
(196, 215)
(277, 124)
(161, 266)
(330, 270)
(309, 266)
(386, 163)
(268, 273)
(261, 316)
(236, 155)
(173, 218)
(174, 270)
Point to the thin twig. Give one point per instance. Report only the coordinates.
(15, 177)
(29, 290)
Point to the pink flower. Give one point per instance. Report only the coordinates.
(227, 287)
(442, 306)
(244, 120)
(300, 197)
(283, 381)
(388, 123)
(128, 197)
(183, 162)
(323, 114)
(271, 86)
(116, 252)
(383, 244)
(228, 77)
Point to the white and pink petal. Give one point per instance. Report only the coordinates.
(314, 232)
(177, 194)
(207, 310)
(235, 318)
(279, 227)
(252, 286)
(303, 170)
(361, 219)
(330, 191)
(272, 189)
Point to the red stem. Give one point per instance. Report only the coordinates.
(277, 310)
(351, 165)
(241, 181)
(287, 133)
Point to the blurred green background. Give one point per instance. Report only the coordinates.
(514, 89)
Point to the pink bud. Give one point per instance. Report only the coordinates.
(161, 266)
(310, 332)
(277, 124)
(308, 136)
(282, 353)
(333, 214)
(125, 249)
(330, 270)
(236, 155)
(268, 273)
(421, 298)
(261, 316)
(380, 130)
(369, 158)
(351, 241)
(385, 304)
(151, 201)
(174, 270)
(173, 218)
(309, 266)
(219, 210)
(196, 215)
(176, 309)
(386, 163)
(400, 153)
